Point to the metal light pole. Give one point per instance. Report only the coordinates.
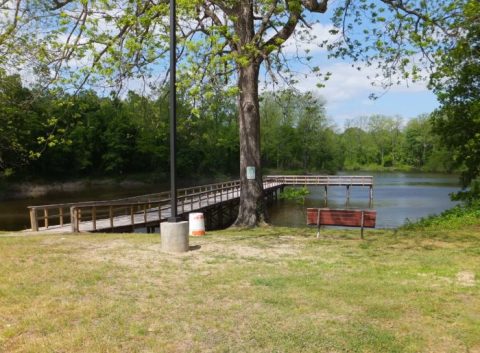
(173, 113)
(174, 233)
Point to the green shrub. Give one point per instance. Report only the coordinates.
(454, 218)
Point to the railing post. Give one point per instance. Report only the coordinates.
(60, 213)
(33, 219)
(94, 217)
(110, 214)
(132, 217)
(74, 219)
(45, 217)
(363, 222)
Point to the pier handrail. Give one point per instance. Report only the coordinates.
(204, 195)
(76, 212)
(358, 180)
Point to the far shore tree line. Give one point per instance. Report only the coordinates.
(53, 135)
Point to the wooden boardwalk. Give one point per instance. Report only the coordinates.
(147, 211)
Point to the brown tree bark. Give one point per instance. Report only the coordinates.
(252, 51)
(252, 211)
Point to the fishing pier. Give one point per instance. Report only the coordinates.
(218, 201)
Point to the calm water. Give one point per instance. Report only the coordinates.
(14, 213)
(397, 197)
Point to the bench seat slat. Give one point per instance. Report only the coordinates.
(347, 218)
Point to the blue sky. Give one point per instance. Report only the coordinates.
(348, 90)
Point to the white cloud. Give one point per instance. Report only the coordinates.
(348, 90)
(348, 82)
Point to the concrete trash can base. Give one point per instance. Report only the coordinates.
(174, 236)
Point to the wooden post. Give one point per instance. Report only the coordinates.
(348, 192)
(145, 213)
(33, 219)
(132, 216)
(318, 222)
(110, 214)
(371, 192)
(45, 217)
(60, 213)
(363, 221)
(74, 219)
(326, 192)
(94, 217)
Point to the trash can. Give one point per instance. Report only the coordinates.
(196, 224)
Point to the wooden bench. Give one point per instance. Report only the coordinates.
(339, 217)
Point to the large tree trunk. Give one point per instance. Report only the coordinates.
(252, 211)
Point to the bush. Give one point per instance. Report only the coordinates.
(456, 217)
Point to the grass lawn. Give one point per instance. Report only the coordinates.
(270, 290)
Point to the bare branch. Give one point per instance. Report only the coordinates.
(211, 14)
(265, 21)
(398, 4)
(13, 26)
(282, 35)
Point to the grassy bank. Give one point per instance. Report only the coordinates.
(272, 290)
(465, 214)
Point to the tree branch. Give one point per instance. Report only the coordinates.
(282, 35)
(265, 21)
(315, 6)
(59, 4)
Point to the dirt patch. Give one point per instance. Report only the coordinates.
(252, 251)
(466, 278)
(135, 255)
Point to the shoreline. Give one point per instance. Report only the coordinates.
(35, 189)
(38, 189)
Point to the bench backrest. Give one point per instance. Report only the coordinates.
(347, 218)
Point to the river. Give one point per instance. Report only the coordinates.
(397, 197)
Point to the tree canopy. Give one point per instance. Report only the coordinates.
(102, 43)
(457, 85)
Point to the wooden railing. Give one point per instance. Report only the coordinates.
(133, 210)
(136, 210)
(328, 180)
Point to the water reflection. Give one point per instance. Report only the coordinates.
(396, 197)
